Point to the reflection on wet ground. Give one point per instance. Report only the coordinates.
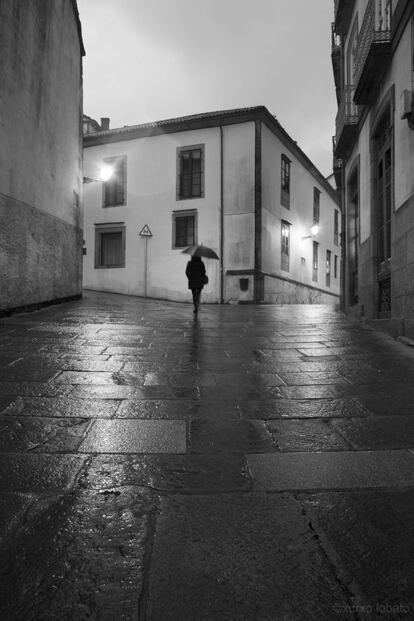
(251, 462)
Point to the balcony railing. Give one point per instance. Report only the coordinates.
(372, 50)
(336, 56)
(336, 165)
(347, 120)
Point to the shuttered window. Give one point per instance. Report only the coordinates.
(316, 207)
(285, 181)
(114, 190)
(109, 246)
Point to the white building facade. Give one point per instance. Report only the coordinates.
(234, 181)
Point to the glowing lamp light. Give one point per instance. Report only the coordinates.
(106, 172)
(314, 230)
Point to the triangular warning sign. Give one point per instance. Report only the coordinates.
(145, 232)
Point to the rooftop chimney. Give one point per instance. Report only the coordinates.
(104, 123)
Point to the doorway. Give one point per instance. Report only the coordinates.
(383, 211)
(352, 236)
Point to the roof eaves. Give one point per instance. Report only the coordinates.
(206, 118)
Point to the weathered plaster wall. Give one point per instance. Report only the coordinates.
(239, 186)
(300, 218)
(40, 256)
(279, 291)
(40, 152)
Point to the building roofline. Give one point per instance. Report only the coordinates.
(206, 120)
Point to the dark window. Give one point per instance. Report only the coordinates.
(384, 204)
(184, 230)
(336, 266)
(285, 182)
(190, 173)
(328, 268)
(336, 227)
(285, 246)
(109, 247)
(315, 262)
(316, 203)
(114, 190)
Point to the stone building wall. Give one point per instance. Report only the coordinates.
(40, 152)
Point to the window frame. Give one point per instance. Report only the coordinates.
(179, 159)
(184, 214)
(316, 205)
(285, 177)
(315, 261)
(285, 246)
(123, 183)
(105, 228)
(336, 227)
(328, 268)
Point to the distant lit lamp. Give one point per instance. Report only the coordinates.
(314, 229)
(105, 173)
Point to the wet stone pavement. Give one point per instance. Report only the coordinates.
(252, 463)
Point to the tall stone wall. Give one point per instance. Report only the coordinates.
(40, 152)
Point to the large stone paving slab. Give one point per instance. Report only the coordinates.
(135, 436)
(77, 556)
(372, 535)
(46, 435)
(302, 408)
(217, 473)
(238, 557)
(59, 407)
(335, 470)
(38, 473)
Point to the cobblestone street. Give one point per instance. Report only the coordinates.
(250, 463)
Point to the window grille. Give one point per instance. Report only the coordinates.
(190, 173)
(184, 230)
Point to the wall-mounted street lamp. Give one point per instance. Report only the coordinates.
(314, 230)
(105, 173)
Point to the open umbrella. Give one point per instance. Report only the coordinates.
(201, 251)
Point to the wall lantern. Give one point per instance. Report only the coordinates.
(314, 230)
(105, 173)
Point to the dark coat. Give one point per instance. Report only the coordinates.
(195, 272)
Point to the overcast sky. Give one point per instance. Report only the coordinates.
(148, 60)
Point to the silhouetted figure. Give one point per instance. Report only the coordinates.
(196, 273)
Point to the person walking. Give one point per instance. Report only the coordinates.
(196, 274)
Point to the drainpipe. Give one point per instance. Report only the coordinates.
(221, 219)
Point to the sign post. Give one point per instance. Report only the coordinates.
(145, 233)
